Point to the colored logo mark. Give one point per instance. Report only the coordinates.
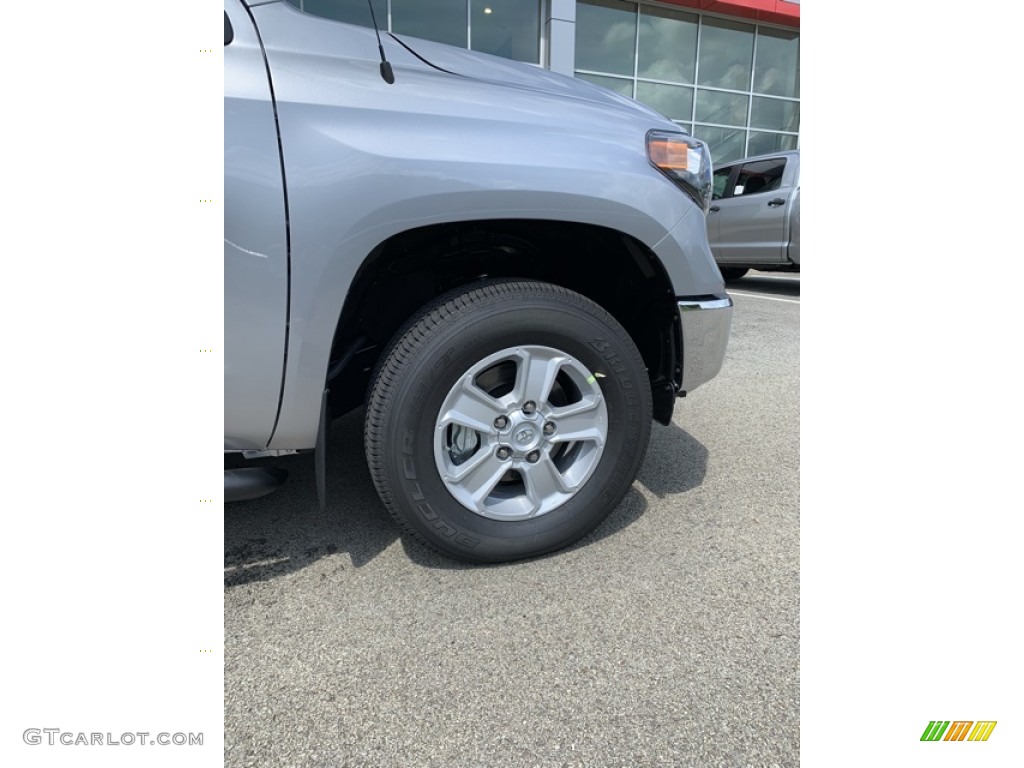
(958, 730)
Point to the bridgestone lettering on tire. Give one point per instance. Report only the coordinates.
(507, 420)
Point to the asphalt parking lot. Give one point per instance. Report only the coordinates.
(668, 637)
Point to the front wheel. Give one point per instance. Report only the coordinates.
(507, 420)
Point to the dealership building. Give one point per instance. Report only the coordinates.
(728, 71)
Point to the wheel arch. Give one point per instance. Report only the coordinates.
(411, 268)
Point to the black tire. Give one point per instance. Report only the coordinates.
(733, 273)
(434, 352)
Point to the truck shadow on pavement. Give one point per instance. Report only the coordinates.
(676, 462)
(284, 532)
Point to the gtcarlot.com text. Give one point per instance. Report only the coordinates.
(55, 736)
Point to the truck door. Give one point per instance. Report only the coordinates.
(719, 186)
(752, 221)
(255, 241)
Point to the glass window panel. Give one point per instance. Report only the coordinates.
(606, 36)
(617, 84)
(762, 176)
(778, 63)
(726, 54)
(719, 107)
(348, 11)
(673, 101)
(726, 143)
(766, 143)
(775, 114)
(441, 20)
(718, 182)
(509, 28)
(668, 44)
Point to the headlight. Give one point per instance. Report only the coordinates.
(685, 160)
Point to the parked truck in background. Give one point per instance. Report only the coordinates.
(507, 268)
(754, 219)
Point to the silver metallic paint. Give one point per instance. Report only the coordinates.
(366, 160)
(255, 253)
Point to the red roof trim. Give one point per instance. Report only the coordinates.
(771, 11)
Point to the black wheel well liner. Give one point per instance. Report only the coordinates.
(411, 268)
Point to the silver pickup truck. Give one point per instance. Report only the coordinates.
(754, 219)
(507, 268)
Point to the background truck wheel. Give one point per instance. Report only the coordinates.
(507, 420)
(733, 273)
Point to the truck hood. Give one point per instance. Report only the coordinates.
(497, 71)
(457, 63)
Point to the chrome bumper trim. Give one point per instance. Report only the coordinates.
(705, 323)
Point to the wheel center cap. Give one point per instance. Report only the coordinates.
(524, 433)
(525, 436)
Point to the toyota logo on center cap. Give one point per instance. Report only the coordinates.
(524, 436)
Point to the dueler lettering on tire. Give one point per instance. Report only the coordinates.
(507, 420)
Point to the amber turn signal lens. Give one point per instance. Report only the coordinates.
(668, 154)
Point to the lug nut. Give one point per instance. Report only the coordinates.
(501, 422)
(549, 428)
(504, 452)
(533, 457)
(529, 407)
